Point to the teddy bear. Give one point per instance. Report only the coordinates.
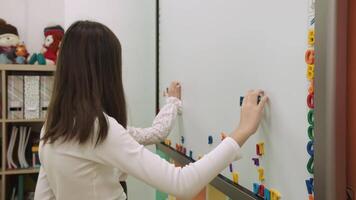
(48, 55)
(9, 39)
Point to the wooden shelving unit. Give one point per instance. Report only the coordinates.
(21, 171)
(22, 120)
(36, 68)
(5, 70)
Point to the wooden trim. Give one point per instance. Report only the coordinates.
(3, 186)
(3, 115)
(330, 100)
(3, 132)
(21, 171)
(351, 99)
(39, 68)
(23, 120)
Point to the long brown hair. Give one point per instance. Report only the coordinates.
(88, 83)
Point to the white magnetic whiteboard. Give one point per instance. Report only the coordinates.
(221, 49)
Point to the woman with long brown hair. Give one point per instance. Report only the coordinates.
(85, 137)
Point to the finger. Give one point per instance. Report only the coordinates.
(223, 135)
(255, 95)
(247, 97)
(263, 102)
(244, 100)
(260, 92)
(249, 92)
(179, 91)
(174, 84)
(176, 87)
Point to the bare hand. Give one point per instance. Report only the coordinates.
(250, 117)
(174, 90)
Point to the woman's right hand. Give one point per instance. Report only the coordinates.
(250, 117)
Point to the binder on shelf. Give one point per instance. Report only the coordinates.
(15, 97)
(23, 133)
(32, 97)
(10, 162)
(19, 146)
(13, 196)
(35, 157)
(23, 141)
(46, 85)
(20, 188)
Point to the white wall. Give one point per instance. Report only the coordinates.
(31, 17)
(133, 21)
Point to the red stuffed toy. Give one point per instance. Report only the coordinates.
(49, 52)
(54, 37)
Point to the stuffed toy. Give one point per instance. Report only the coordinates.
(21, 54)
(48, 55)
(9, 39)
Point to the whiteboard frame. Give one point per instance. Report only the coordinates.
(330, 99)
(157, 56)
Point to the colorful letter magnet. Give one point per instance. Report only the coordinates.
(310, 185)
(260, 149)
(267, 194)
(256, 187)
(210, 139)
(275, 195)
(261, 174)
(261, 191)
(256, 161)
(235, 177)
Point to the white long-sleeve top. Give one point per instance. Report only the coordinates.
(71, 171)
(161, 126)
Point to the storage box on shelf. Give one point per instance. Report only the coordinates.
(25, 108)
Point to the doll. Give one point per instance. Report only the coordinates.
(9, 39)
(48, 55)
(21, 54)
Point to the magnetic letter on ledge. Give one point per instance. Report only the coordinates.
(275, 195)
(235, 177)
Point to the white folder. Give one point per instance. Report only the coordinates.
(32, 97)
(10, 162)
(23, 141)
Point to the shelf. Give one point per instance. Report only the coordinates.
(24, 120)
(14, 67)
(10, 175)
(21, 171)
